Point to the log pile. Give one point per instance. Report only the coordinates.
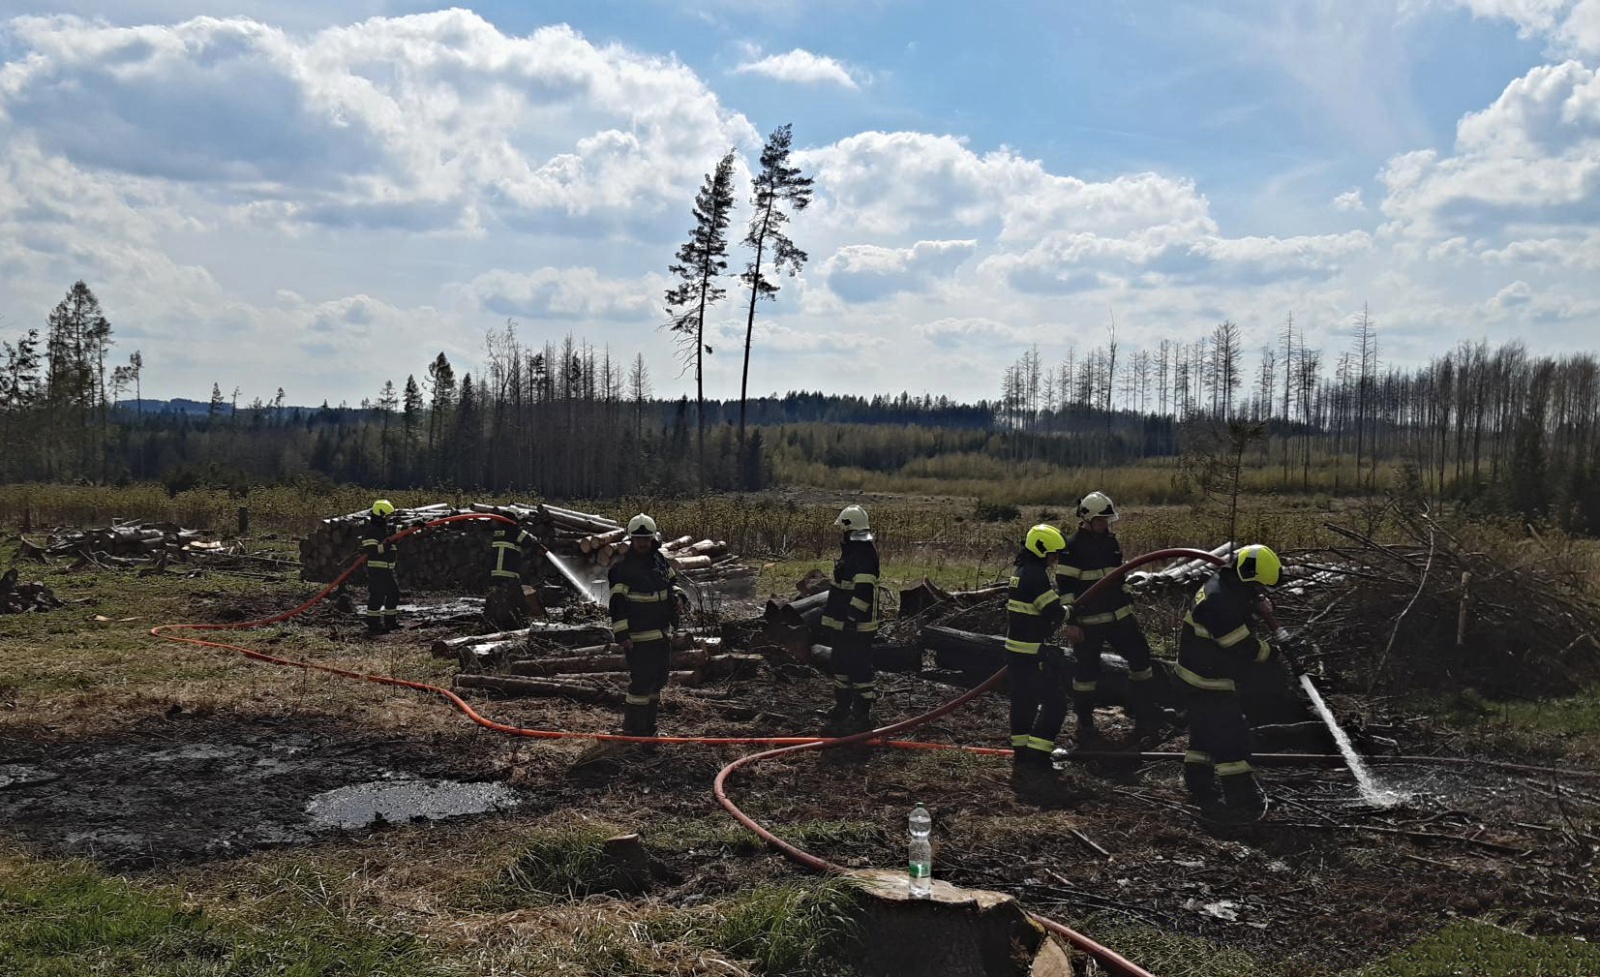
(458, 555)
(148, 547)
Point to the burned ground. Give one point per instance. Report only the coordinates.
(1327, 882)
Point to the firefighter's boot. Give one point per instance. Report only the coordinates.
(838, 718)
(1242, 798)
(1150, 721)
(374, 624)
(1083, 704)
(1200, 780)
(861, 713)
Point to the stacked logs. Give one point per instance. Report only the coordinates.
(458, 555)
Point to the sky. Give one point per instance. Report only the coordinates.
(323, 196)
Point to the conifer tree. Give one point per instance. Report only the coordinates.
(777, 186)
(700, 262)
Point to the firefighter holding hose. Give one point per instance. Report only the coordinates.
(383, 590)
(1215, 647)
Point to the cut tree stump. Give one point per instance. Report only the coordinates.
(953, 932)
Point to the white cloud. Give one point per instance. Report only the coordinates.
(868, 272)
(428, 122)
(579, 294)
(1350, 201)
(801, 67)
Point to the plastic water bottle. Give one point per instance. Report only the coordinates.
(920, 863)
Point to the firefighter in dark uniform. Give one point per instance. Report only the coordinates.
(383, 592)
(645, 601)
(850, 618)
(1216, 646)
(1036, 668)
(1091, 553)
(510, 545)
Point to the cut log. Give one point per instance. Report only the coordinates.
(691, 562)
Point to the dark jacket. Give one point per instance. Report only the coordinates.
(381, 554)
(1033, 607)
(853, 594)
(1088, 557)
(644, 597)
(1217, 644)
(509, 557)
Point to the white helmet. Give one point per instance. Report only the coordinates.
(1097, 504)
(853, 519)
(642, 525)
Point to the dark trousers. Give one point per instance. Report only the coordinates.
(383, 599)
(852, 665)
(1125, 637)
(1219, 738)
(648, 665)
(1038, 699)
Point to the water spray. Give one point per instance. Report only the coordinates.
(1371, 791)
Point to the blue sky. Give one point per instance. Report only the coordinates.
(323, 196)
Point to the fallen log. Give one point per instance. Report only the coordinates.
(885, 657)
(693, 658)
(570, 635)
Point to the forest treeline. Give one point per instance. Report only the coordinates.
(1494, 427)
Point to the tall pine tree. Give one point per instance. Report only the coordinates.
(701, 261)
(777, 185)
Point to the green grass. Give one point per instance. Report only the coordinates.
(793, 929)
(1176, 955)
(1484, 950)
(66, 919)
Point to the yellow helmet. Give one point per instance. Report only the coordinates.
(1044, 539)
(383, 507)
(1258, 564)
(642, 525)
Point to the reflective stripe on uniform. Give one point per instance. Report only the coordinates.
(619, 625)
(861, 578)
(1023, 647)
(1197, 756)
(1201, 682)
(654, 598)
(1041, 744)
(1263, 650)
(1092, 574)
(655, 635)
(1019, 741)
(1090, 685)
(860, 604)
(636, 700)
(1233, 768)
(832, 622)
(1142, 675)
(1108, 617)
(619, 588)
(378, 565)
(1228, 640)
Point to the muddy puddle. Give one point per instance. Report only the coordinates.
(205, 789)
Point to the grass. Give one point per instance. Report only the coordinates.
(1485, 950)
(67, 919)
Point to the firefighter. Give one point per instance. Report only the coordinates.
(645, 601)
(1091, 553)
(383, 592)
(506, 602)
(851, 615)
(1036, 668)
(1216, 646)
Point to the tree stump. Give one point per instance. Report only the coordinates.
(954, 932)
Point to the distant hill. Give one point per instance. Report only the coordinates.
(177, 405)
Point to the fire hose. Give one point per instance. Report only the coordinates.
(778, 745)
